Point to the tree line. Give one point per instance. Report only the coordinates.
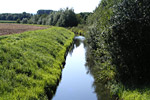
(15, 16)
(119, 42)
(63, 17)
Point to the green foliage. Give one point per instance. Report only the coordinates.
(9, 16)
(31, 63)
(34, 19)
(137, 94)
(119, 41)
(24, 21)
(82, 17)
(130, 39)
(18, 21)
(79, 30)
(63, 18)
(7, 21)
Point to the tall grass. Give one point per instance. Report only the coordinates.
(138, 94)
(31, 63)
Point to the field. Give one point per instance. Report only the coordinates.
(31, 62)
(7, 28)
(7, 21)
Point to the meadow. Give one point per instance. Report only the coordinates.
(31, 63)
(7, 21)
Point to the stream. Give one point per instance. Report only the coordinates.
(76, 82)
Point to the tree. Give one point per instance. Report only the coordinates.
(130, 39)
(24, 20)
(18, 21)
(12, 16)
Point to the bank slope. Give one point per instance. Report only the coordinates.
(30, 63)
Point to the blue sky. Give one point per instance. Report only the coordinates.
(31, 6)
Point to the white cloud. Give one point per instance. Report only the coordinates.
(31, 6)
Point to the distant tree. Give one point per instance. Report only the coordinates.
(18, 21)
(70, 18)
(50, 19)
(24, 20)
(56, 17)
(35, 19)
(2, 17)
(14, 16)
(30, 21)
(82, 17)
(64, 17)
(9, 17)
(44, 21)
(61, 20)
(39, 20)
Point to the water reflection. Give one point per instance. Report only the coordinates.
(78, 40)
(77, 78)
(102, 92)
(76, 84)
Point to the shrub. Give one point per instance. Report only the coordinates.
(129, 42)
(24, 20)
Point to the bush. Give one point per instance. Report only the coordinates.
(18, 21)
(130, 40)
(119, 45)
(24, 20)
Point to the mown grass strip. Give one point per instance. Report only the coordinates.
(30, 63)
(7, 21)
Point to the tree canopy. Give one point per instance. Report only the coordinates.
(64, 17)
(15, 16)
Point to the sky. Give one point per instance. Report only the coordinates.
(31, 6)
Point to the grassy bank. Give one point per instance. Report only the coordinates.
(31, 63)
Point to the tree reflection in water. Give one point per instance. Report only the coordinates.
(93, 68)
(76, 43)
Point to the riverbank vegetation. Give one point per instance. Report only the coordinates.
(77, 23)
(81, 28)
(119, 47)
(31, 63)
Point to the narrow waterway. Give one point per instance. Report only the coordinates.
(76, 83)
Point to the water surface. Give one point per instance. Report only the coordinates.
(76, 83)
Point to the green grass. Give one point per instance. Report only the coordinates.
(31, 62)
(138, 94)
(7, 21)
